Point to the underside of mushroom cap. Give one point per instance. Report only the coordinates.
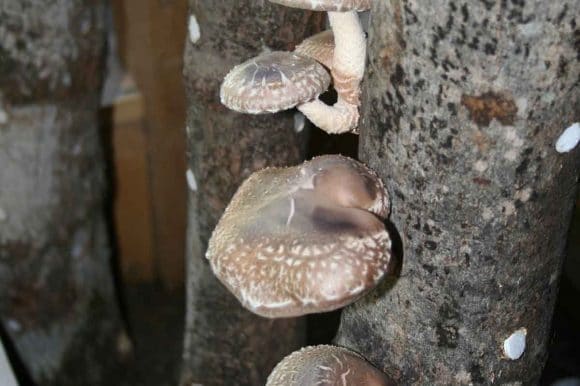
(327, 5)
(299, 240)
(326, 365)
(273, 82)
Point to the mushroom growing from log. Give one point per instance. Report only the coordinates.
(303, 239)
(326, 365)
(348, 63)
(273, 82)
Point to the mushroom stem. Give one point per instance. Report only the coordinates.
(342, 117)
(349, 54)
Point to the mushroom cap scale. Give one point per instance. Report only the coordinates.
(319, 47)
(292, 242)
(326, 365)
(273, 82)
(327, 5)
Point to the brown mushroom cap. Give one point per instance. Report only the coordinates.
(327, 5)
(273, 82)
(326, 365)
(303, 239)
(320, 47)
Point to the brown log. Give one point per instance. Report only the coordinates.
(224, 343)
(463, 104)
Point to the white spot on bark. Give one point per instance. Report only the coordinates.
(568, 139)
(514, 346)
(523, 194)
(193, 28)
(191, 182)
(487, 214)
(299, 120)
(508, 208)
(480, 166)
(522, 105)
(3, 215)
(511, 155)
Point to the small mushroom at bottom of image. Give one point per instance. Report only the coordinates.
(303, 239)
(326, 365)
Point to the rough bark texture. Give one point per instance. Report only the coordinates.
(57, 301)
(225, 344)
(464, 101)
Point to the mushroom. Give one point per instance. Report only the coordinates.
(303, 239)
(348, 63)
(319, 47)
(272, 82)
(326, 365)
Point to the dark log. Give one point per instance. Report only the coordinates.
(463, 104)
(57, 299)
(224, 343)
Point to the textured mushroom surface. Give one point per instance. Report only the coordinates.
(303, 239)
(319, 47)
(327, 5)
(273, 82)
(326, 365)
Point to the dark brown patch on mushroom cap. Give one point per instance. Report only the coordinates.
(327, 5)
(326, 365)
(288, 244)
(273, 82)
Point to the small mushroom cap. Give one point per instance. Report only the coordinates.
(303, 239)
(327, 5)
(326, 365)
(319, 47)
(273, 82)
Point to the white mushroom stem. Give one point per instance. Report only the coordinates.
(349, 52)
(348, 67)
(342, 117)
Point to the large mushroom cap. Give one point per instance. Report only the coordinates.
(303, 239)
(273, 82)
(327, 5)
(319, 47)
(326, 365)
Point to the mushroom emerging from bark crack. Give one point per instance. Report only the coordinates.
(326, 365)
(303, 239)
(348, 63)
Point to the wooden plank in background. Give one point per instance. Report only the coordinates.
(151, 37)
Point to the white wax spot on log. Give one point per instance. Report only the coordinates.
(299, 121)
(568, 139)
(514, 346)
(193, 27)
(191, 182)
(3, 215)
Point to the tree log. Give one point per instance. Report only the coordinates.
(463, 104)
(224, 343)
(57, 300)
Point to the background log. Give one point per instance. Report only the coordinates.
(224, 343)
(57, 299)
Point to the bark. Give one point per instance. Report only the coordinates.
(224, 343)
(463, 104)
(57, 302)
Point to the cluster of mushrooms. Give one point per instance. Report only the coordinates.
(308, 238)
